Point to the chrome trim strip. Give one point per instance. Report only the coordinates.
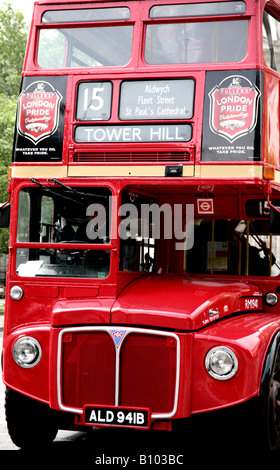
(117, 367)
(109, 330)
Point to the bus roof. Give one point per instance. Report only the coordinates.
(67, 2)
(60, 3)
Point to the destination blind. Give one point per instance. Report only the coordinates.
(157, 99)
(142, 133)
(139, 100)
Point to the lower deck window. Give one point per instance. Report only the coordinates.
(63, 263)
(137, 234)
(233, 247)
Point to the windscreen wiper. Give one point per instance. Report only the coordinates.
(54, 193)
(79, 193)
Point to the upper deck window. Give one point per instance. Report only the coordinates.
(97, 14)
(85, 47)
(198, 9)
(190, 42)
(196, 42)
(88, 46)
(271, 41)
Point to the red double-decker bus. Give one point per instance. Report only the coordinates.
(143, 281)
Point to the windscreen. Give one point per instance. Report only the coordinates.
(48, 217)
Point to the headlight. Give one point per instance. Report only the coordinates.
(271, 299)
(27, 352)
(221, 363)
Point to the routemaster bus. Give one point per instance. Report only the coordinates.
(144, 196)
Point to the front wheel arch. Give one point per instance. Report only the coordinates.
(268, 412)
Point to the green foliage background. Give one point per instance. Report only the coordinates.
(13, 39)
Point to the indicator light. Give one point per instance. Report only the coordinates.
(16, 293)
(271, 298)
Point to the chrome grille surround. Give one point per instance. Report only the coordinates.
(127, 332)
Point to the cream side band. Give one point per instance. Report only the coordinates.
(199, 171)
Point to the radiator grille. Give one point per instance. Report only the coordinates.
(143, 366)
(85, 359)
(151, 383)
(132, 157)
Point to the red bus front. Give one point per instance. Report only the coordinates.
(144, 266)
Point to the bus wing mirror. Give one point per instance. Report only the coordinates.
(5, 216)
(274, 221)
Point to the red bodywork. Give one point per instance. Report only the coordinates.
(163, 320)
(167, 351)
